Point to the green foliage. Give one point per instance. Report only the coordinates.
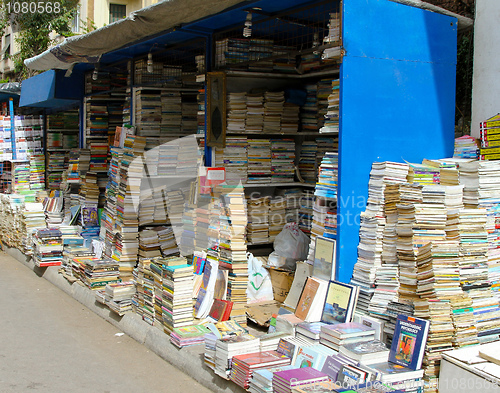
(465, 52)
(35, 27)
(88, 26)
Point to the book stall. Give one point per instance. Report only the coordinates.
(236, 212)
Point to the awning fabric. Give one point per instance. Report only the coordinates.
(145, 22)
(151, 21)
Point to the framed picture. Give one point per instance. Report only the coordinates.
(340, 303)
(216, 109)
(324, 265)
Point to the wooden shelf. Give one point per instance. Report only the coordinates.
(267, 75)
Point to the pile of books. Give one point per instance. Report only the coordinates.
(243, 366)
(307, 201)
(148, 112)
(233, 248)
(97, 273)
(258, 220)
(188, 336)
(226, 348)
(307, 162)
(177, 288)
(282, 160)
(37, 172)
(309, 111)
(490, 142)
(118, 296)
(234, 159)
(47, 247)
(259, 161)
(331, 122)
(131, 172)
(189, 123)
(254, 122)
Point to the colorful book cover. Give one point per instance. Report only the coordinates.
(218, 309)
(306, 299)
(340, 303)
(191, 331)
(198, 262)
(408, 344)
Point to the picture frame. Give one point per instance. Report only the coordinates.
(216, 109)
(340, 303)
(325, 258)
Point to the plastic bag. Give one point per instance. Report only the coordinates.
(292, 243)
(260, 287)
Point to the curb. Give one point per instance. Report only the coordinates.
(189, 359)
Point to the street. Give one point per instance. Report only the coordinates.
(52, 343)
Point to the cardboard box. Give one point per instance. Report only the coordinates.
(282, 281)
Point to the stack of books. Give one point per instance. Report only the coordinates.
(290, 118)
(273, 110)
(254, 121)
(309, 111)
(234, 159)
(306, 210)
(37, 172)
(292, 203)
(31, 219)
(258, 220)
(373, 222)
(131, 172)
(489, 132)
(148, 112)
(108, 218)
(55, 169)
(282, 160)
(226, 348)
(464, 322)
(118, 296)
(331, 122)
(336, 336)
(236, 112)
(47, 247)
(189, 113)
(171, 112)
(97, 119)
(285, 381)
(149, 244)
(97, 273)
(177, 307)
(233, 248)
(99, 157)
(423, 174)
(259, 161)
(188, 336)
(307, 162)
(326, 186)
(243, 366)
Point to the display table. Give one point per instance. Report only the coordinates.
(464, 371)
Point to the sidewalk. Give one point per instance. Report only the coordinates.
(188, 360)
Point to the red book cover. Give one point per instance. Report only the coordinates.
(227, 313)
(218, 309)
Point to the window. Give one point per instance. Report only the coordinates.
(6, 46)
(117, 12)
(75, 23)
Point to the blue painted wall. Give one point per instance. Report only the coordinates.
(397, 100)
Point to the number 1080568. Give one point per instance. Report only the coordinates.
(33, 7)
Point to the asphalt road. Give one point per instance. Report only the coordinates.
(51, 343)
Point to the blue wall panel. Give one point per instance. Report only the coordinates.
(383, 29)
(392, 109)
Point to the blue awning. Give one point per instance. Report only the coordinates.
(51, 89)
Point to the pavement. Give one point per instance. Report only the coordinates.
(54, 343)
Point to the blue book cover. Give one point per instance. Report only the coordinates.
(408, 343)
